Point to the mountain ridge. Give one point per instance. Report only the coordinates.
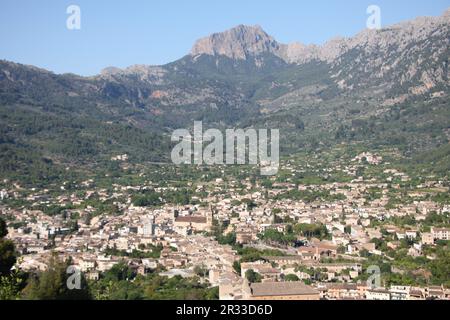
(295, 52)
(388, 86)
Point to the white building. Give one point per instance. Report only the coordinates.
(378, 294)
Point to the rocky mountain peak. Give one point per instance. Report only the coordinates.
(237, 43)
(244, 41)
(446, 13)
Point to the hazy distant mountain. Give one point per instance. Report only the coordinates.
(380, 86)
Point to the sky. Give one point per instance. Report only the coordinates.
(122, 33)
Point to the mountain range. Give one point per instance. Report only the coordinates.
(385, 87)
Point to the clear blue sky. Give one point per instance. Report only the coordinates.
(121, 33)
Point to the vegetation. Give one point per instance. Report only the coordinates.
(121, 283)
(7, 251)
(291, 278)
(290, 237)
(252, 276)
(151, 252)
(52, 284)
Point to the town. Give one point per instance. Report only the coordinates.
(315, 231)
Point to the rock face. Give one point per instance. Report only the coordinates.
(238, 43)
(244, 41)
(412, 54)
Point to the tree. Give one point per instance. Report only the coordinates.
(440, 267)
(237, 267)
(252, 276)
(212, 294)
(145, 200)
(201, 271)
(311, 230)
(273, 235)
(229, 239)
(3, 228)
(120, 272)
(364, 253)
(291, 278)
(7, 256)
(52, 284)
(11, 286)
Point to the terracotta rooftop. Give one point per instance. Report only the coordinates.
(191, 219)
(282, 289)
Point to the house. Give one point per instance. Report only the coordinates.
(416, 294)
(369, 158)
(340, 291)
(441, 233)
(214, 276)
(339, 267)
(355, 248)
(184, 273)
(105, 263)
(264, 269)
(415, 250)
(283, 261)
(93, 275)
(196, 222)
(243, 237)
(411, 234)
(149, 263)
(36, 248)
(87, 265)
(230, 287)
(378, 294)
(435, 292)
(400, 292)
(427, 238)
(316, 252)
(393, 245)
